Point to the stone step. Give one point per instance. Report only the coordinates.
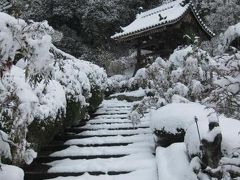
(115, 126)
(47, 159)
(61, 146)
(99, 123)
(99, 120)
(104, 132)
(76, 136)
(44, 175)
(109, 114)
(108, 117)
(80, 130)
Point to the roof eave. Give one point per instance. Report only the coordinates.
(138, 33)
(200, 22)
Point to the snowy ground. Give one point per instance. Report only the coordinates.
(10, 173)
(138, 158)
(137, 93)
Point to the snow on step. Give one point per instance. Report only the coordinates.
(108, 134)
(111, 139)
(146, 174)
(131, 162)
(116, 132)
(116, 103)
(114, 109)
(112, 126)
(140, 147)
(108, 111)
(100, 120)
(112, 116)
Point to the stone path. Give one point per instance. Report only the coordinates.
(107, 147)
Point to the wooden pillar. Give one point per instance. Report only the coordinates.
(139, 59)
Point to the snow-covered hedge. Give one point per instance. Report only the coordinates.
(38, 84)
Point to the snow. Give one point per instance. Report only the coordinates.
(138, 93)
(231, 34)
(110, 116)
(75, 82)
(113, 126)
(33, 101)
(138, 161)
(178, 57)
(231, 134)
(103, 132)
(142, 174)
(37, 87)
(173, 163)
(114, 103)
(112, 111)
(4, 146)
(52, 101)
(177, 116)
(88, 151)
(229, 128)
(104, 120)
(29, 156)
(138, 158)
(11, 173)
(150, 19)
(110, 139)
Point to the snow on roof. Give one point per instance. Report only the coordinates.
(165, 14)
(4, 5)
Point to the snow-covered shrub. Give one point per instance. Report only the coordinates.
(123, 65)
(5, 150)
(75, 82)
(191, 72)
(154, 76)
(30, 41)
(186, 76)
(223, 43)
(170, 123)
(116, 83)
(22, 104)
(37, 82)
(25, 92)
(83, 81)
(226, 95)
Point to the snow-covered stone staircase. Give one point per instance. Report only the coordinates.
(107, 147)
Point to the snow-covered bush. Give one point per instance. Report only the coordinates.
(37, 82)
(171, 127)
(186, 76)
(154, 76)
(223, 43)
(117, 83)
(83, 81)
(226, 95)
(191, 72)
(25, 92)
(123, 65)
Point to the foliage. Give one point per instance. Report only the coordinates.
(36, 81)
